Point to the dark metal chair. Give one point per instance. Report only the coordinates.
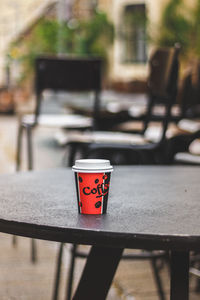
(162, 89)
(60, 74)
(178, 147)
(68, 74)
(160, 65)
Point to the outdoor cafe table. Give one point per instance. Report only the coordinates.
(148, 208)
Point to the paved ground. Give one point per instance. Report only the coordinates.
(20, 279)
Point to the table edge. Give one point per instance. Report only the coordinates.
(101, 238)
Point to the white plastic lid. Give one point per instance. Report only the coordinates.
(92, 166)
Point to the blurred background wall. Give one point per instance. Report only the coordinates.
(123, 32)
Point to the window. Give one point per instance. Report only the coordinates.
(133, 34)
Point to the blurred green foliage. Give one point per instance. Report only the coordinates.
(195, 32)
(76, 37)
(180, 24)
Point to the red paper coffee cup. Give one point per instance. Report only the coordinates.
(92, 177)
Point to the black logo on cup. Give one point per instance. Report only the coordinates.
(101, 190)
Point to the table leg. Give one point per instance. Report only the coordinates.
(98, 273)
(179, 275)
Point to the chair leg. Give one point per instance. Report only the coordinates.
(29, 147)
(157, 279)
(33, 251)
(71, 273)
(14, 240)
(19, 148)
(58, 271)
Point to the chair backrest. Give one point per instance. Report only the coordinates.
(162, 83)
(67, 74)
(189, 96)
(163, 73)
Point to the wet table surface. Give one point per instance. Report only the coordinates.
(151, 207)
(148, 208)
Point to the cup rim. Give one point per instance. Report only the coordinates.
(99, 170)
(92, 166)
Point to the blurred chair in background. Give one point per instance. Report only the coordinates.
(137, 147)
(184, 148)
(60, 74)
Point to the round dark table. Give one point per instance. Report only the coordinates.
(148, 208)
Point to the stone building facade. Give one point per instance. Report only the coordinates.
(129, 54)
